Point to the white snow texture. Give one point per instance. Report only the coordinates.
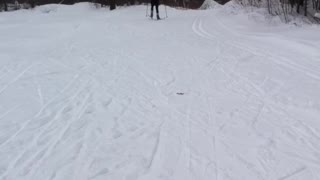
(218, 94)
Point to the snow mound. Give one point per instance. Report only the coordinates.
(259, 15)
(232, 7)
(49, 8)
(209, 4)
(52, 8)
(317, 15)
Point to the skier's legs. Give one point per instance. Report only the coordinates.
(152, 5)
(157, 8)
(155, 3)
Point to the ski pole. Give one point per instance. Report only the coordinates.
(147, 10)
(165, 7)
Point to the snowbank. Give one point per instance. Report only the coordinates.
(260, 15)
(232, 7)
(53, 8)
(209, 4)
(49, 8)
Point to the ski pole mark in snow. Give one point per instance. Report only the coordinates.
(25, 162)
(40, 94)
(9, 111)
(61, 134)
(4, 70)
(276, 59)
(265, 98)
(16, 78)
(156, 146)
(294, 173)
(199, 30)
(39, 113)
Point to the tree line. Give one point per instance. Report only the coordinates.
(6, 5)
(285, 7)
(275, 7)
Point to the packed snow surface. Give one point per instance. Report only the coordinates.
(219, 94)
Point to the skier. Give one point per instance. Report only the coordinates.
(155, 3)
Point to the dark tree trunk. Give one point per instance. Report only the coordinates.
(32, 3)
(291, 3)
(104, 3)
(112, 4)
(299, 3)
(5, 5)
(305, 7)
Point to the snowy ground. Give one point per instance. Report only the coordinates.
(203, 95)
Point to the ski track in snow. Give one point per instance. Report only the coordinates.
(193, 97)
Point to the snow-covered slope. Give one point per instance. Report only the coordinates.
(210, 4)
(202, 95)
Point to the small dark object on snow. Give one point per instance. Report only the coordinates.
(180, 93)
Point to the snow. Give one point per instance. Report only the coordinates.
(317, 15)
(210, 4)
(204, 95)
